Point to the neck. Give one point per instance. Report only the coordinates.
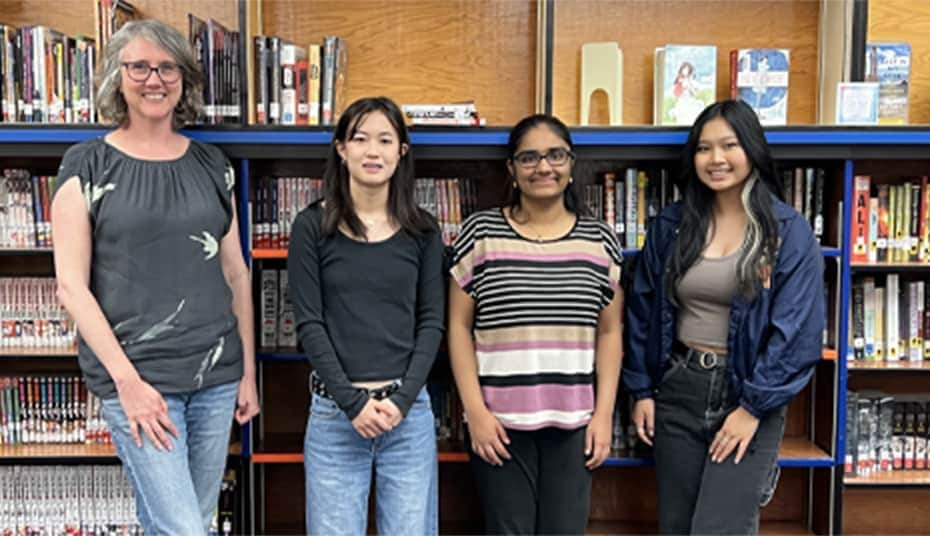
(541, 210)
(729, 203)
(369, 201)
(142, 133)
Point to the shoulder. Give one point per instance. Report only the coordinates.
(83, 153)
(479, 223)
(208, 152)
(310, 217)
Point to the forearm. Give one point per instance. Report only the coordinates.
(421, 362)
(465, 367)
(242, 309)
(607, 361)
(96, 331)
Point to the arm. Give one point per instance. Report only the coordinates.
(488, 436)
(143, 405)
(303, 272)
(429, 322)
(794, 345)
(607, 365)
(639, 301)
(237, 277)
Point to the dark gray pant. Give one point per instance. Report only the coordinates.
(697, 496)
(544, 488)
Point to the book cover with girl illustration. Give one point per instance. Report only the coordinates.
(688, 82)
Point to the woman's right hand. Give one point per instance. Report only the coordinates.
(488, 436)
(370, 422)
(146, 409)
(644, 418)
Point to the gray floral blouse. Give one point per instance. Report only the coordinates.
(155, 266)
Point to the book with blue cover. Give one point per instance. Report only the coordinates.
(889, 64)
(759, 77)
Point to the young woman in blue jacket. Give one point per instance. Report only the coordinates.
(725, 319)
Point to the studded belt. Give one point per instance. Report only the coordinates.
(317, 387)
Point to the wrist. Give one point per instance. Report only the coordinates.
(128, 378)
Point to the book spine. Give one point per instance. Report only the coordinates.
(860, 221)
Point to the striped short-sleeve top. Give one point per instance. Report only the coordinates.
(537, 305)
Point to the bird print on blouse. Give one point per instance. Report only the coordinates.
(209, 361)
(159, 328)
(93, 193)
(210, 245)
(230, 177)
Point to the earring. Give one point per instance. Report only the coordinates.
(514, 184)
(571, 180)
(344, 163)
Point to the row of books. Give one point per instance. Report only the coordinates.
(886, 433)
(297, 85)
(276, 311)
(31, 315)
(276, 201)
(25, 213)
(86, 499)
(891, 222)
(49, 410)
(629, 202)
(685, 81)
(450, 201)
(803, 189)
(216, 49)
(890, 322)
(274, 205)
(46, 76)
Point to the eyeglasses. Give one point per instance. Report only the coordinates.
(140, 71)
(555, 157)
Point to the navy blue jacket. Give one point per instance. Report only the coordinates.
(774, 340)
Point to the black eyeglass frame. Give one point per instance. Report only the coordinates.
(128, 65)
(571, 157)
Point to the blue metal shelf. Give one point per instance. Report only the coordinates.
(620, 136)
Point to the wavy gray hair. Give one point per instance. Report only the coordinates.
(110, 102)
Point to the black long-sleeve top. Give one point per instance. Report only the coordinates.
(366, 311)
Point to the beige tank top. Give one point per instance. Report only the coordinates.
(705, 294)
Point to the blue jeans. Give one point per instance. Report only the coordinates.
(177, 490)
(338, 466)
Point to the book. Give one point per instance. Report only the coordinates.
(685, 82)
(857, 103)
(759, 77)
(889, 64)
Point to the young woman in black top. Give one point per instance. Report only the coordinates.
(365, 269)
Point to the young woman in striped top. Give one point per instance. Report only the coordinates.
(534, 337)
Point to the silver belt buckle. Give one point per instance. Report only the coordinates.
(708, 360)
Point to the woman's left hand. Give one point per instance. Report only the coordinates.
(247, 400)
(736, 433)
(597, 440)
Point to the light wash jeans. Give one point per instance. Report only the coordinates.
(338, 468)
(177, 490)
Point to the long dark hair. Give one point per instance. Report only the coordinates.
(402, 206)
(517, 133)
(759, 248)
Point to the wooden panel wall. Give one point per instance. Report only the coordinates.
(639, 27)
(425, 51)
(909, 21)
(76, 17)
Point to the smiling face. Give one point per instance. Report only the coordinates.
(544, 180)
(372, 152)
(719, 159)
(152, 99)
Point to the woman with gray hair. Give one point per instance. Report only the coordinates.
(148, 263)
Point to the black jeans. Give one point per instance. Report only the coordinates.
(544, 488)
(697, 496)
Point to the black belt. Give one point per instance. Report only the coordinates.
(700, 358)
(317, 387)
